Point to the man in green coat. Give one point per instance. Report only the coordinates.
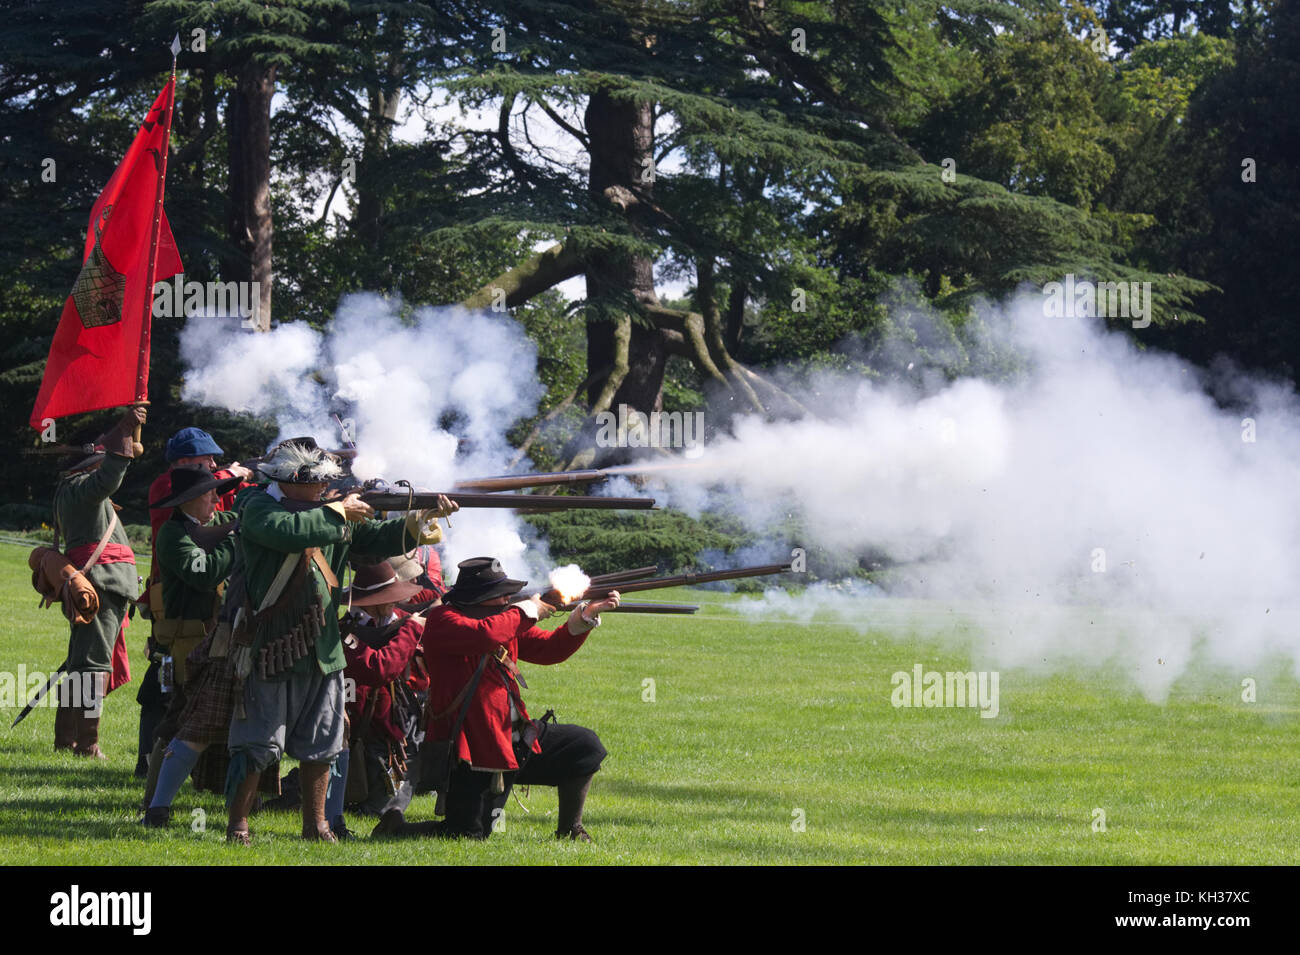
(194, 553)
(288, 648)
(87, 521)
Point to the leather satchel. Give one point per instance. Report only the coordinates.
(56, 578)
(435, 756)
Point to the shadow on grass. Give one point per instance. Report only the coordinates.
(81, 774)
(62, 797)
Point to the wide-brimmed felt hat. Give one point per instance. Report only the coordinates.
(300, 461)
(189, 483)
(406, 568)
(191, 443)
(86, 456)
(378, 584)
(482, 578)
(421, 565)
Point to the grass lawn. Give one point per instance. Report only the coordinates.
(755, 726)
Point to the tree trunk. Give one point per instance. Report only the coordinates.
(248, 122)
(736, 315)
(381, 115)
(621, 133)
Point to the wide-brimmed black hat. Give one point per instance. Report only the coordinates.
(81, 458)
(482, 578)
(374, 584)
(189, 483)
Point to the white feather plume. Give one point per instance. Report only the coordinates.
(293, 462)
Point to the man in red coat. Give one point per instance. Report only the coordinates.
(379, 645)
(475, 640)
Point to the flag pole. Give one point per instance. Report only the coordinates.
(142, 364)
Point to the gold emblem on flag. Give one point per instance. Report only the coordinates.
(100, 288)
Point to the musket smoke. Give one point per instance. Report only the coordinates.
(427, 400)
(1099, 507)
(569, 582)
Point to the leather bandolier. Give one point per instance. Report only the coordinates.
(292, 621)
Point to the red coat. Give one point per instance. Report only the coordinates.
(372, 670)
(452, 645)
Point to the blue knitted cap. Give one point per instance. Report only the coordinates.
(191, 443)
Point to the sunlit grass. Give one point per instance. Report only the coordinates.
(757, 729)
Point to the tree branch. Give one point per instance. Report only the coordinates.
(516, 164)
(564, 124)
(530, 277)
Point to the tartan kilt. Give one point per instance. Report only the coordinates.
(211, 694)
(214, 762)
(212, 691)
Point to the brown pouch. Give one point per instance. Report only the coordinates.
(57, 579)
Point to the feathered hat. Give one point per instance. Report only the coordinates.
(300, 461)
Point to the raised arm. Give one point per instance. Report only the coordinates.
(555, 646)
(100, 484)
(370, 667)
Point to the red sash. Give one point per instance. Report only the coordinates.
(121, 663)
(113, 554)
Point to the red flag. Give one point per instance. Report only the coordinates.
(100, 354)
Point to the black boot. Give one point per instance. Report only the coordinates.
(573, 796)
(154, 766)
(150, 716)
(393, 825)
(157, 818)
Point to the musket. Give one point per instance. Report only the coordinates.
(499, 482)
(636, 573)
(554, 598)
(681, 580)
(655, 608)
(61, 449)
(419, 500)
(517, 482)
(39, 695)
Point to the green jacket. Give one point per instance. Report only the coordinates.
(83, 510)
(190, 574)
(268, 531)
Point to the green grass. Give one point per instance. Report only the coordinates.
(751, 721)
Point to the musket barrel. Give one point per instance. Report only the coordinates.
(683, 580)
(517, 482)
(396, 501)
(655, 608)
(636, 573)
